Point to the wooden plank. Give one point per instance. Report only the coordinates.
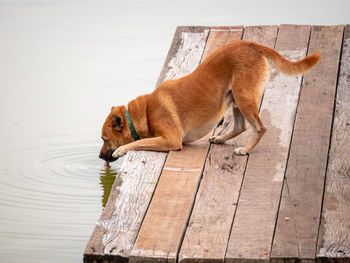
(265, 35)
(216, 39)
(263, 179)
(182, 60)
(334, 238)
(300, 207)
(207, 233)
(219, 36)
(161, 233)
(116, 230)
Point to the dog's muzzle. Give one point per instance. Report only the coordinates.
(107, 156)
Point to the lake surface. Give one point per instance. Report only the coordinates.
(63, 64)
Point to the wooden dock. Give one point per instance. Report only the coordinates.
(289, 200)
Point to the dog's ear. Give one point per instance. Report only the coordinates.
(113, 107)
(117, 122)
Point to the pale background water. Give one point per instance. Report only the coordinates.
(63, 64)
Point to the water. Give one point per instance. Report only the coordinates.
(63, 64)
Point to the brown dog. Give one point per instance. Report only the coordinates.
(184, 110)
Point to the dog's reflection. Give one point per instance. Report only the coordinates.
(107, 179)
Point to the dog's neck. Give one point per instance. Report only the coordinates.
(138, 112)
(131, 126)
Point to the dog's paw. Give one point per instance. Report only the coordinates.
(120, 152)
(216, 139)
(240, 151)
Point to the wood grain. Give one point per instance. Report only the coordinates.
(95, 248)
(161, 233)
(261, 190)
(186, 52)
(116, 230)
(209, 226)
(300, 207)
(265, 35)
(219, 36)
(334, 238)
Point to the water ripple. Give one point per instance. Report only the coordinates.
(52, 194)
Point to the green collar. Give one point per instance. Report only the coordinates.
(131, 126)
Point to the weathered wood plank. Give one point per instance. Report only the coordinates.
(334, 237)
(300, 207)
(236, 32)
(254, 223)
(161, 232)
(219, 36)
(95, 248)
(216, 39)
(265, 35)
(116, 230)
(207, 233)
(181, 59)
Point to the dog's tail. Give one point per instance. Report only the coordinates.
(289, 67)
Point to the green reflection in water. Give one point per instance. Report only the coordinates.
(107, 179)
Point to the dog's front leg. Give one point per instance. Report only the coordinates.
(160, 144)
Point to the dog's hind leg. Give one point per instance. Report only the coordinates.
(239, 127)
(258, 131)
(247, 96)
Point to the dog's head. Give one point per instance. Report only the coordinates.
(115, 132)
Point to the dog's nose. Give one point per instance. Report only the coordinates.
(107, 156)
